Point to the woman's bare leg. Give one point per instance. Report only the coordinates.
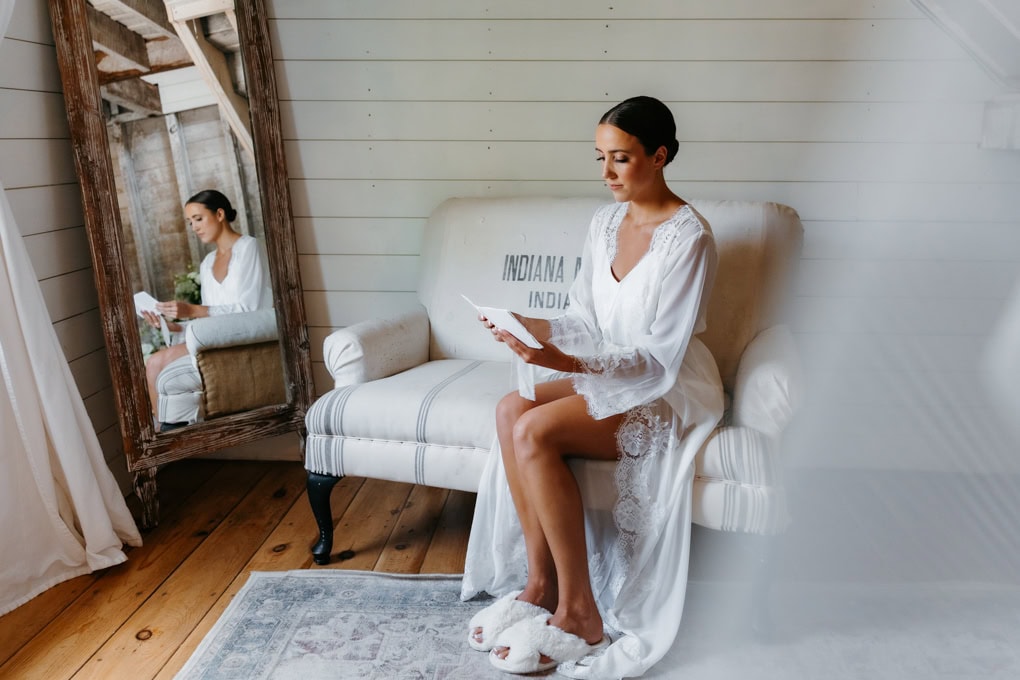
(543, 438)
(155, 364)
(541, 588)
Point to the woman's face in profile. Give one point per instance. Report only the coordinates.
(626, 168)
(205, 223)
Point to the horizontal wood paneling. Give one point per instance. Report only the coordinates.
(556, 81)
(27, 114)
(80, 334)
(55, 252)
(542, 9)
(46, 208)
(955, 351)
(35, 162)
(359, 272)
(335, 309)
(70, 294)
(696, 161)
(28, 66)
(572, 121)
(914, 279)
(359, 236)
(101, 409)
(814, 201)
(981, 241)
(30, 22)
(91, 372)
(661, 40)
(894, 316)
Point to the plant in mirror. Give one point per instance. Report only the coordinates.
(174, 122)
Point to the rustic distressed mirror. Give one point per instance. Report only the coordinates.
(135, 132)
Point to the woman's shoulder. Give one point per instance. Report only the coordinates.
(607, 210)
(687, 226)
(244, 242)
(606, 215)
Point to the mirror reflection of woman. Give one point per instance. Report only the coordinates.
(234, 278)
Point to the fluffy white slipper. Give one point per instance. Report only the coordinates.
(530, 638)
(497, 617)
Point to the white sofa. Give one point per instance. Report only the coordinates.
(414, 395)
(233, 364)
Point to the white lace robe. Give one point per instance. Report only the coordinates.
(636, 338)
(245, 288)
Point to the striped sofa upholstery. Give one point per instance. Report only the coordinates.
(415, 394)
(185, 385)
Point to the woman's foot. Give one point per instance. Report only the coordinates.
(537, 644)
(540, 599)
(487, 624)
(588, 628)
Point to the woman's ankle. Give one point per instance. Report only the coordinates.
(542, 595)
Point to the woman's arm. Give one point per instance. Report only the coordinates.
(179, 309)
(616, 378)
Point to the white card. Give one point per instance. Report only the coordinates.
(504, 320)
(145, 303)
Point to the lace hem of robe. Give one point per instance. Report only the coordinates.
(645, 434)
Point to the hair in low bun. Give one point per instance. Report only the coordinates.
(214, 200)
(649, 120)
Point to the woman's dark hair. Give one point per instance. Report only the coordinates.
(214, 200)
(649, 120)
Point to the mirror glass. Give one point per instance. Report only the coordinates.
(178, 123)
(164, 100)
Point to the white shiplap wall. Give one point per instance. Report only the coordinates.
(37, 170)
(863, 116)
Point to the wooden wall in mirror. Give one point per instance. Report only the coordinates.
(166, 99)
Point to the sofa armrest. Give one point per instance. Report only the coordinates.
(769, 384)
(231, 330)
(378, 348)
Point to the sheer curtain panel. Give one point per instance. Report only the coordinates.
(62, 512)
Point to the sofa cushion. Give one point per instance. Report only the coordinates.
(768, 386)
(450, 402)
(179, 389)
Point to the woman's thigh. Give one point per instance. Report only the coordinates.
(162, 358)
(560, 419)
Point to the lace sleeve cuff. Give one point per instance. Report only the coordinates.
(598, 383)
(570, 334)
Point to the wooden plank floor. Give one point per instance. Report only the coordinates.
(221, 520)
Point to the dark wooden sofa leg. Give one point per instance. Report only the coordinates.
(761, 586)
(319, 489)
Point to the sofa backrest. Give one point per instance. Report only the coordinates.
(523, 253)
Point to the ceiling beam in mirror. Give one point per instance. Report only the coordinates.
(211, 61)
(94, 65)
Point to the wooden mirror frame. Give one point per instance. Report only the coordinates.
(144, 448)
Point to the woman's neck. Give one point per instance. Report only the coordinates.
(655, 204)
(227, 238)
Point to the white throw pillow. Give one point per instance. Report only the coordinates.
(769, 386)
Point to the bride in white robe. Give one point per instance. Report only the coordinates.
(635, 342)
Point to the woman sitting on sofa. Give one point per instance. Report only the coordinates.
(234, 278)
(639, 389)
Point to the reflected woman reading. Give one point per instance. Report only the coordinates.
(234, 278)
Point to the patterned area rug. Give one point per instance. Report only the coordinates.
(319, 624)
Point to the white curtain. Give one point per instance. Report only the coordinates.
(62, 512)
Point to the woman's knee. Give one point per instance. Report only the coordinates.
(153, 366)
(534, 437)
(509, 410)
